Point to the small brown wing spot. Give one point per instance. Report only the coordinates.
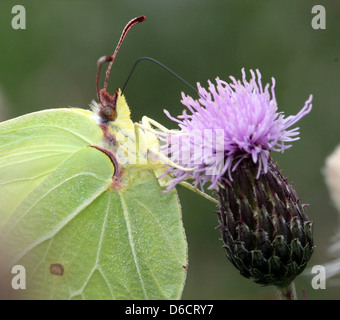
(57, 269)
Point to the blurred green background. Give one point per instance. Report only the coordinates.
(53, 64)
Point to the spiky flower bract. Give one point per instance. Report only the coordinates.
(264, 226)
(228, 123)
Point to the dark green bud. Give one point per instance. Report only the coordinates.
(264, 227)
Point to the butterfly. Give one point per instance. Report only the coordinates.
(82, 208)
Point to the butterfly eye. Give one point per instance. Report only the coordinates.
(109, 113)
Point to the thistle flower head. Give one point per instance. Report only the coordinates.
(228, 123)
(227, 139)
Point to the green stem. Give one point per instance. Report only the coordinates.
(287, 293)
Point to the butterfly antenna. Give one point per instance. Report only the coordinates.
(129, 25)
(161, 65)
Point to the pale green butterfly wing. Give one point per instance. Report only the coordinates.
(77, 236)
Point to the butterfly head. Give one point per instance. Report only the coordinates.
(108, 110)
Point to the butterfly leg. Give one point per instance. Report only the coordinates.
(169, 162)
(147, 124)
(196, 190)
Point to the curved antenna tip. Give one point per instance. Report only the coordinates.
(140, 18)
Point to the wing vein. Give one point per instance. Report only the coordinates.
(48, 126)
(131, 242)
(59, 226)
(164, 231)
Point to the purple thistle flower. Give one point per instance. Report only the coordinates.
(229, 123)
